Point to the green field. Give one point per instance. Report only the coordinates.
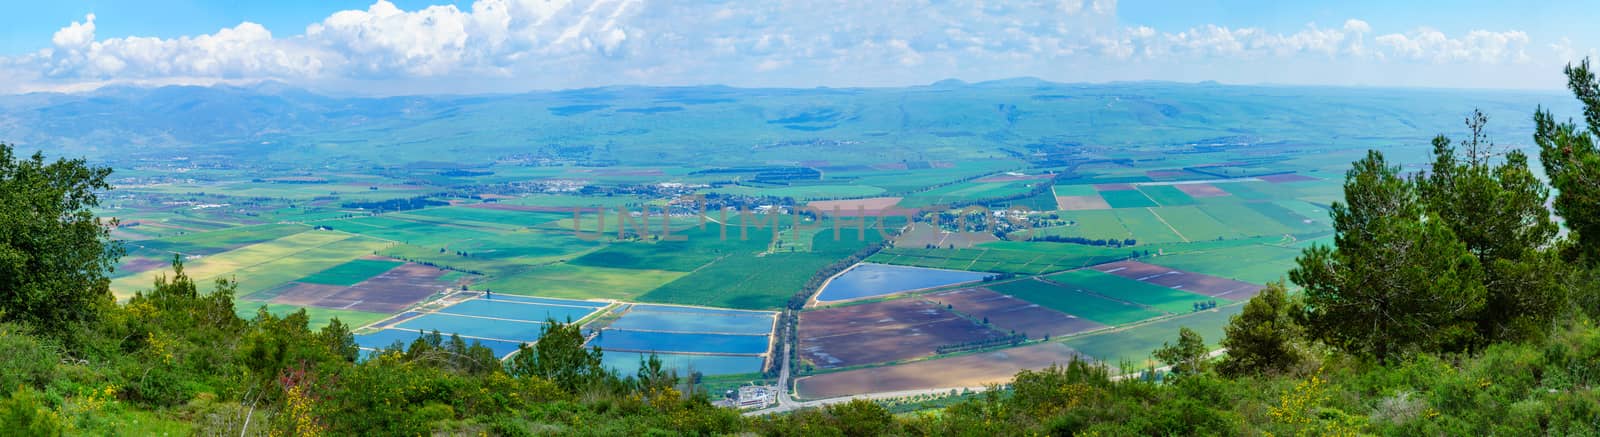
(1245, 190)
(318, 317)
(966, 192)
(220, 265)
(1146, 227)
(1127, 199)
(1253, 263)
(1076, 190)
(1167, 195)
(1120, 288)
(351, 273)
(752, 279)
(1134, 345)
(208, 243)
(1074, 302)
(1195, 224)
(581, 282)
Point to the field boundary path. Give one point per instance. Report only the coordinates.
(1169, 225)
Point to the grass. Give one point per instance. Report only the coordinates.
(1120, 288)
(1074, 302)
(1127, 199)
(351, 273)
(1134, 345)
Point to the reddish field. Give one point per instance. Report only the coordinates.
(1079, 203)
(1011, 314)
(1192, 282)
(137, 265)
(1113, 187)
(1287, 177)
(957, 372)
(882, 331)
(871, 205)
(389, 292)
(1201, 190)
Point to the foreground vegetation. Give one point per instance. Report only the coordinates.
(1448, 306)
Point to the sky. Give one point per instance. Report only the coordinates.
(422, 46)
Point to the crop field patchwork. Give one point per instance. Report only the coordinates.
(974, 370)
(1133, 345)
(1123, 289)
(1081, 203)
(1253, 263)
(1127, 199)
(211, 243)
(352, 272)
(388, 292)
(1147, 228)
(1201, 190)
(1187, 281)
(564, 280)
(1011, 314)
(967, 192)
(882, 331)
(1070, 300)
(1167, 195)
(1195, 224)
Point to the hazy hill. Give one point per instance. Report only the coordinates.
(722, 125)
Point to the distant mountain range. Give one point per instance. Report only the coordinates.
(724, 125)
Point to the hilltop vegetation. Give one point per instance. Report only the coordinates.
(1447, 304)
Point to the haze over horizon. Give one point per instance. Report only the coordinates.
(494, 46)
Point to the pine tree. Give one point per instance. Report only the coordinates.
(1398, 281)
(1188, 357)
(1498, 212)
(1261, 338)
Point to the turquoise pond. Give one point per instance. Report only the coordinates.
(382, 339)
(868, 280)
(676, 319)
(518, 310)
(642, 341)
(627, 363)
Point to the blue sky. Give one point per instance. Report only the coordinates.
(410, 46)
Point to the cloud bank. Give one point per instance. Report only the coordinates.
(522, 44)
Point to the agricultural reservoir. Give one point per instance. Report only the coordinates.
(869, 279)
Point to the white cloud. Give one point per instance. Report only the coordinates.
(1480, 46)
(560, 43)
